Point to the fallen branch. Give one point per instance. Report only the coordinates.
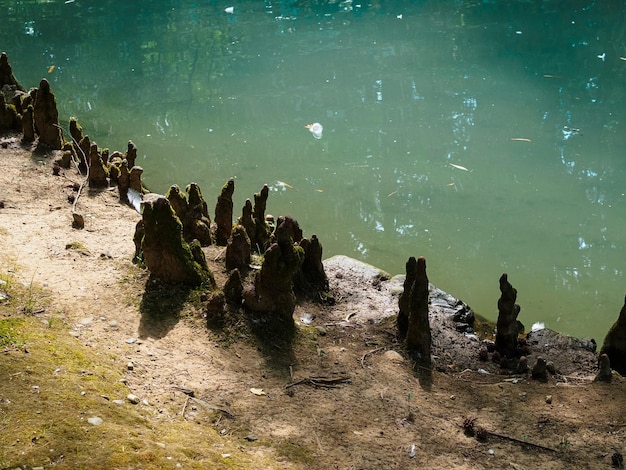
(373, 351)
(519, 441)
(469, 425)
(320, 382)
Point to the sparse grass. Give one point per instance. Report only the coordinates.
(52, 384)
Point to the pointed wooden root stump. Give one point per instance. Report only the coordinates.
(614, 345)
(604, 369)
(418, 337)
(507, 325)
(404, 303)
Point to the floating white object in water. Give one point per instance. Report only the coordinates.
(458, 167)
(316, 129)
(229, 10)
(538, 326)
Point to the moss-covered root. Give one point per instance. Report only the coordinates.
(311, 280)
(273, 284)
(98, 171)
(507, 327)
(9, 119)
(224, 213)
(47, 117)
(262, 231)
(165, 252)
(6, 74)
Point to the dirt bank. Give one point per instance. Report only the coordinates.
(339, 394)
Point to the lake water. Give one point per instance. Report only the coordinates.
(487, 136)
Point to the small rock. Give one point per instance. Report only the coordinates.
(118, 402)
(130, 365)
(549, 399)
(251, 437)
(95, 421)
(393, 356)
(131, 340)
(321, 330)
(134, 399)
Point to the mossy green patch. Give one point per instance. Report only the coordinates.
(52, 385)
(296, 452)
(9, 332)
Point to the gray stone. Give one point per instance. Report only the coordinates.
(393, 356)
(134, 399)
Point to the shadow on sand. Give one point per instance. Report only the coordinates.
(273, 335)
(161, 306)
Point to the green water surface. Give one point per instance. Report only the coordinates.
(487, 136)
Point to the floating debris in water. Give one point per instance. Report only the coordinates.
(316, 129)
(229, 10)
(283, 184)
(458, 167)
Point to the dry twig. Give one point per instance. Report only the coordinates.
(469, 425)
(182, 413)
(373, 351)
(320, 382)
(79, 221)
